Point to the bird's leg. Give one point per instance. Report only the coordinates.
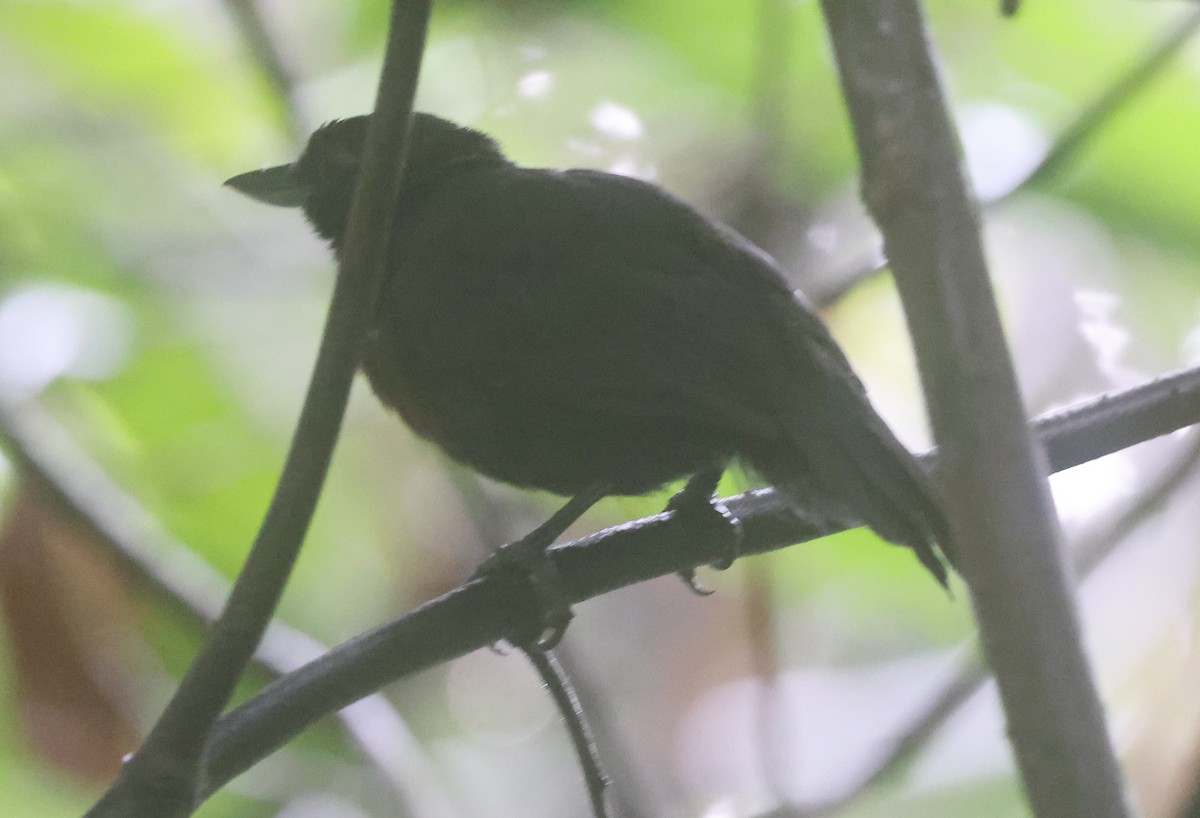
(697, 504)
(528, 554)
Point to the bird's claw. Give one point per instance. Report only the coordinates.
(688, 575)
(528, 558)
(703, 510)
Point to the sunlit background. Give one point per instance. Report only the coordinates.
(156, 332)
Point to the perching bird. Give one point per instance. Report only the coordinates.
(590, 334)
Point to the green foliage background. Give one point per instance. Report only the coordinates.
(191, 319)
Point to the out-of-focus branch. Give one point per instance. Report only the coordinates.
(1102, 110)
(758, 601)
(968, 678)
(1067, 146)
(45, 453)
(1095, 545)
(248, 19)
(487, 610)
(1192, 808)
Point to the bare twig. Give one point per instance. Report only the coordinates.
(567, 703)
(1121, 418)
(488, 610)
(1007, 541)
(627, 792)
(163, 777)
(557, 677)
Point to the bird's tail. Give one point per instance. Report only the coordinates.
(837, 452)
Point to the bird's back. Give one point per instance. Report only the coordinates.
(555, 328)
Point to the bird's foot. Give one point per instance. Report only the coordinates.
(528, 556)
(697, 505)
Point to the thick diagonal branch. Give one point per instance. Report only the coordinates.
(486, 611)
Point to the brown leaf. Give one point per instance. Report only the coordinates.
(67, 617)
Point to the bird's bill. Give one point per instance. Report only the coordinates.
(275, 186)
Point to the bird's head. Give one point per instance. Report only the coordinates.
(322, 180)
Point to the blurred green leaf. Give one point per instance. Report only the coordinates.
(113, 56)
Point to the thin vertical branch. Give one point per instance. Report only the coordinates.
(1091, 120)
(248, 19)
(759, 603)
(567, 702)
(623, 790)
(771, 91)
(765, 217)
(162, 777)
(1007, 539)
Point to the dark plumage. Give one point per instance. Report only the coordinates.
(563, 329)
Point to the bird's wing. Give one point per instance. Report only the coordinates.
(592, 289)
(581, 290)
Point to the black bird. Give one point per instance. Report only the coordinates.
(590, 334)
